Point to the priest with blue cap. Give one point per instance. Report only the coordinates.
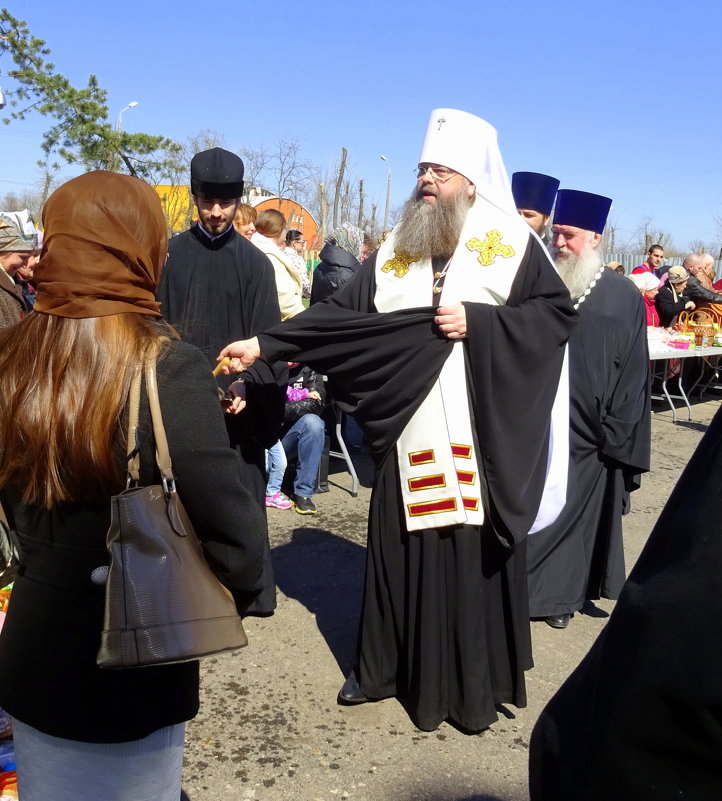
(580, 557)
(534, 195)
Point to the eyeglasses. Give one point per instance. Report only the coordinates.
(438, 174)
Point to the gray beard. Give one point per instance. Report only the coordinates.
(577, 272)
(431, 230)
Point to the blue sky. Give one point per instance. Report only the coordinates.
(618, 98)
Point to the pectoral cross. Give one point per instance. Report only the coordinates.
(490, 248)
(441, 121)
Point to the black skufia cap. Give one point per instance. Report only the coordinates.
(217, 173)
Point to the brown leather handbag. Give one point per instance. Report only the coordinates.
(163, 603)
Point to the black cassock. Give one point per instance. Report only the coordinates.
(641, 717)
(444, 623)
(214, 292)
(581, 555)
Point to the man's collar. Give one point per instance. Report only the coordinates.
(211, 237)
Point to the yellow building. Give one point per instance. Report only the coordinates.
(177, 206)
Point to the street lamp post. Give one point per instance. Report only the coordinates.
(119, 124)
(388, 194)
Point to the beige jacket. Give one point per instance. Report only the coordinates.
(288, 281)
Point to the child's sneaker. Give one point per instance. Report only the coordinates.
(278, 501)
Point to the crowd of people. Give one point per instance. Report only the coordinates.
(488, 511)
(670, 290)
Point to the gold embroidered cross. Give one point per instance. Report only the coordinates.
(490, 248)
(399, 264)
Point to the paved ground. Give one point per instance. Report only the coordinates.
(269, 727)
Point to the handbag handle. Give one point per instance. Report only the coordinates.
(162, 453)
(133, 446)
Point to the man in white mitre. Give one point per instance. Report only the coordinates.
(447, 346)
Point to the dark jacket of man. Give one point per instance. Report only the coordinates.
(337, 266)
(303, 377)
(700, 294)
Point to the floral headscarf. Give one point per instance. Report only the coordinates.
(348, 237)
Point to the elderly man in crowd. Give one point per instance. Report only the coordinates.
(216, 285)
(700, 289)
(18, 244)
(437, 344)
(534, 195)
(580, 557)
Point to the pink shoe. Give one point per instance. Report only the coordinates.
(278, 501)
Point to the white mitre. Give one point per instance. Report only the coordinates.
(467, 144)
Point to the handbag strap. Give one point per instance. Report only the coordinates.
(132, 447)
(162, 454)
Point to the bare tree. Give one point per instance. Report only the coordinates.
(323, 216)
(339, 185)
(647, 234)
(255, 163)
(360, 223)
(290, 172)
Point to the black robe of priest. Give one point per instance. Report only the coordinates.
(581, 556)
(214, 292)
(444, 624)
(641, 717)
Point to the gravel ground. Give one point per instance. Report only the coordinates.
(269, 726)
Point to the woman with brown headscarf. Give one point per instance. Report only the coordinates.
(65, 373)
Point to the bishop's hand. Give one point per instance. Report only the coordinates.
(242, 353)
(452, 320)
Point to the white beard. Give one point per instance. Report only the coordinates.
(577, 272)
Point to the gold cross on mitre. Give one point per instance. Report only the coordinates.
(399, 264)
(490, 248)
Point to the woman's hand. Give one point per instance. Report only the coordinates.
(452, 320)
(242, 353)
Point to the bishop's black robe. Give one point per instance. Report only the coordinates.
(581, 556)
(444, 623)
(641, 717)
(214, 292)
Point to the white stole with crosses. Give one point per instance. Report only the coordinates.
(438, 465)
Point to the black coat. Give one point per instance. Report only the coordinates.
(667, 307)
(303, 377)
(700, 294)
(337, 266)
(214, 292)
(48, 676)
(641, 717)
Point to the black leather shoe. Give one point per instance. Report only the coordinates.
(351, 693)
(558, 621)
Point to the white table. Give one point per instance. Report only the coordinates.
(664, 355)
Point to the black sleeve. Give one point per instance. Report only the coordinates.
(225, 516)
(515, 354)
(700, 294)
(266, 382)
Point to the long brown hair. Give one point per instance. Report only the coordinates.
(64, 385)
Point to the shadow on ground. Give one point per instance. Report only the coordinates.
(324, 573)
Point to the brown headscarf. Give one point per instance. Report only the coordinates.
(104, 248)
